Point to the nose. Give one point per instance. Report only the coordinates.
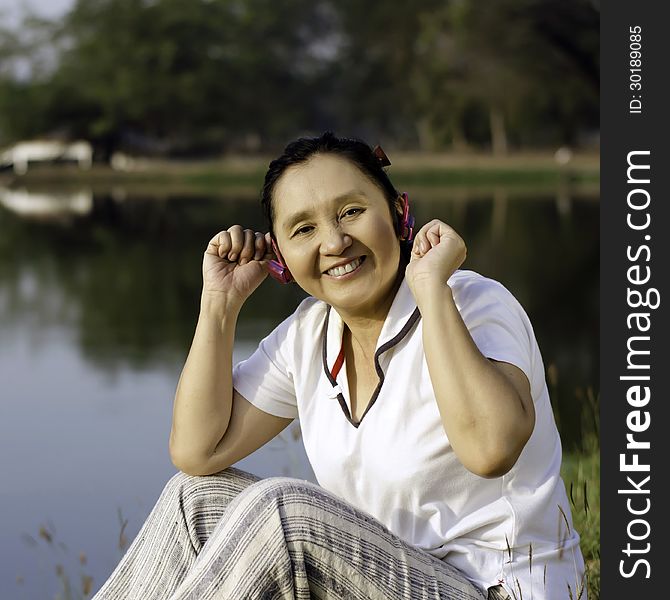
(335, 240)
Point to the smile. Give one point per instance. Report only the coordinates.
(345, 269)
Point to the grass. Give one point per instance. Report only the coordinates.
(72, 586)
(581, 474)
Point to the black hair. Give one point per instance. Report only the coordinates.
(355, 150)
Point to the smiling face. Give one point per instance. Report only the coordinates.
(335, 232)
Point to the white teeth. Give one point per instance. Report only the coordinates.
(343, 270)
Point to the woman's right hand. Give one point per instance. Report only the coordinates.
(235, 263)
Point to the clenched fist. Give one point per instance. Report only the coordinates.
(437, 252)
(235, 263)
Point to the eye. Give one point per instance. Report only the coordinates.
(352, 212)
(302, 230)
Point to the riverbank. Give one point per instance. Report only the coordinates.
(243, 175)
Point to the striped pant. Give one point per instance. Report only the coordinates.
(232, 536)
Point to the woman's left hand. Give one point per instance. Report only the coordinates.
(437, 252)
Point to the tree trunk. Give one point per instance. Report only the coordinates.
(498, 131)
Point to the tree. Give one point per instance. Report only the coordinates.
(531, 63)
(206, 76)
(182, 75)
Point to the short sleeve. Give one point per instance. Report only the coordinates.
(496, 321)
(266, 378)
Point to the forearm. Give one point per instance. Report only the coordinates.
(203, 400)
(482, 412)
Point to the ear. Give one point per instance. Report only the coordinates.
(277, 268)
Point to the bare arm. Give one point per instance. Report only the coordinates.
(486, 406)
(212, 425)
(249, 428)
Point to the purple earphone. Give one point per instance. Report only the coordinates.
(407, 223)
(279, 270)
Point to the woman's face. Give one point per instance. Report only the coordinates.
(334, 230)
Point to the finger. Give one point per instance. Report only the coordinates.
(431, 234)
(430, 225)
(421, 245)
(219, 245)
(237, 241)
(269, 252)
(259, 245)
(248, 248)
(433, 237)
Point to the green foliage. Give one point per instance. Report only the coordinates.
(189, 76)
(581, 473)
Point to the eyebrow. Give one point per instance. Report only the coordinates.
(294, 219)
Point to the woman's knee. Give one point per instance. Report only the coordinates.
(177, 483)
(283, 485)
(279, 491)
(227, 483)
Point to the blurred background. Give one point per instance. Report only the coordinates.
(131, 131)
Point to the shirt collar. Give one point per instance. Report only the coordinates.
(401, 312)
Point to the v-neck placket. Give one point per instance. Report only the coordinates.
(336, 393)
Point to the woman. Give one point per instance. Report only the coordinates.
(423, 406)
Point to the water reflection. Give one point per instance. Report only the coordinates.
(122, 274)
(46, 206)
(99, 296)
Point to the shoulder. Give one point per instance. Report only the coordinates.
(482, 301)
(310, 310)
(470, 288)
(295, 326)
(307, 318)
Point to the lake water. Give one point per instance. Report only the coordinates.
(98, 301)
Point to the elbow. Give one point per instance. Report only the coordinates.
(498, 458)
(188, 461)
(493, 467)
(182, 460)
(185, 465)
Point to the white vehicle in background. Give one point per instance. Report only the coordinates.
(21, 154)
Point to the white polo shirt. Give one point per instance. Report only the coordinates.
(397, 464)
